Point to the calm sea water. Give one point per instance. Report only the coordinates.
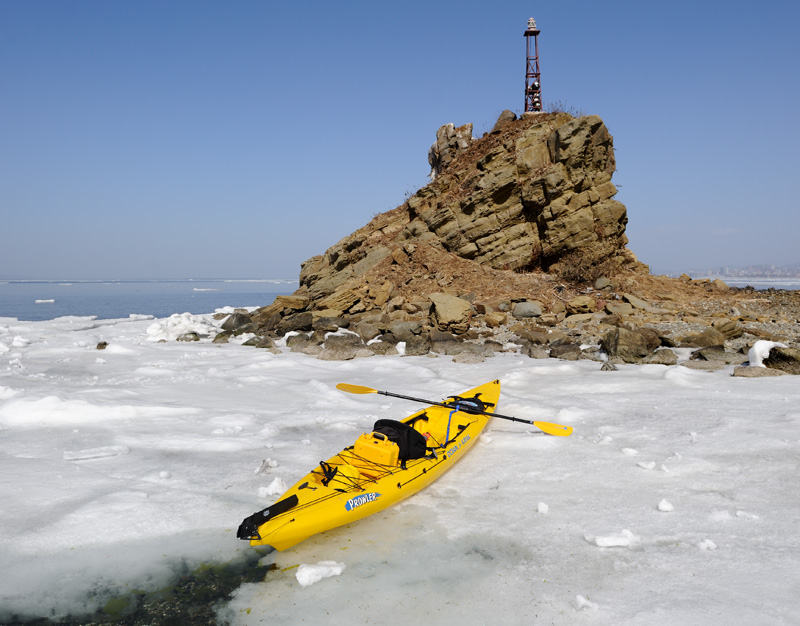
(45, 300)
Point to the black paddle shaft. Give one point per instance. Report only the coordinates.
(450, 406)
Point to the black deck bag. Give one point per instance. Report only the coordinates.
(411, 442)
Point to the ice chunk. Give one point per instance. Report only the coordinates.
(707, 544)
(620, 540)
(309, 574)
(275, 488)
(583, 604)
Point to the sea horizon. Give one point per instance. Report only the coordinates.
(46, 299)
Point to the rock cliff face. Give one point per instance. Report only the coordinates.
(534, 194)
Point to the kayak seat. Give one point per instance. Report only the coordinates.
(411, 442)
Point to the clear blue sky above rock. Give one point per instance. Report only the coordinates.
(208, 139)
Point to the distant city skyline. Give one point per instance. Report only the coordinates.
(199, 139)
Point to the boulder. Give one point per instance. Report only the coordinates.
(236, 321)
(298, 342)
(418, 345)
(442, 341)
(469, 357)
(636, 302)
(295, 322)
(786, 360)
(745, 371)
(405, 331)
(383, 348)
(534, 351)
(651, 336)
(619, 308)
(536, 336)
(718, 354)
(625, 344)
(581, 304)
(265, 342)
(367, 331)
(341, 347)
(709, 337)
(329, 324)
(730, 328)
(566, 351)
(527, 309)
(450, 312)
(505, 117)
(493, 320)
(223, 337)
(664, 356)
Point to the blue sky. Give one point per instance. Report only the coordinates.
(207, 139)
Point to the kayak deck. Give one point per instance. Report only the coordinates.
(362, 479)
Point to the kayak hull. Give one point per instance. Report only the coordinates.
(353, 486)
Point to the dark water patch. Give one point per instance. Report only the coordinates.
(193, 599)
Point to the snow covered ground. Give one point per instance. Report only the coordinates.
(675, 501)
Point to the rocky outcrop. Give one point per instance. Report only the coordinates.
(450, 142)
(535, 193)
(517, 245)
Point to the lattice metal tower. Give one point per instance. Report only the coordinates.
(533, 86)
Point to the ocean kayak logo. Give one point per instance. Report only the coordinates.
(366, 498)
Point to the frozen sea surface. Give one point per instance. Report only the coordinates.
(675, 501)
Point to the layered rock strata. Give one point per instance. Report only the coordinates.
(525, 197)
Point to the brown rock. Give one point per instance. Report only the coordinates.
(581, 304)
(786, 360)
(730, 328)
(340, 300)
(295, 303)
(627, 345)
(493, 320)
(565, 351)
(745, 371)
(709, 337)
(295, 322)
(619, 308)
(450, 312)
(662, 357)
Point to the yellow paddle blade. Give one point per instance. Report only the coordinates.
(355, 388)
(554, 429)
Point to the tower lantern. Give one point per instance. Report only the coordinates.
(533, 87)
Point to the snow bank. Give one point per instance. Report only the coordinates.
(122, 473)
(179, 324)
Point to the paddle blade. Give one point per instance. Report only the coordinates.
(554, 429)
(347, 388)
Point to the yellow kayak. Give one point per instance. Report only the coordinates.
(396, 460)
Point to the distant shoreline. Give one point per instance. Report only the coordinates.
(758, 283)
(68, 281)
